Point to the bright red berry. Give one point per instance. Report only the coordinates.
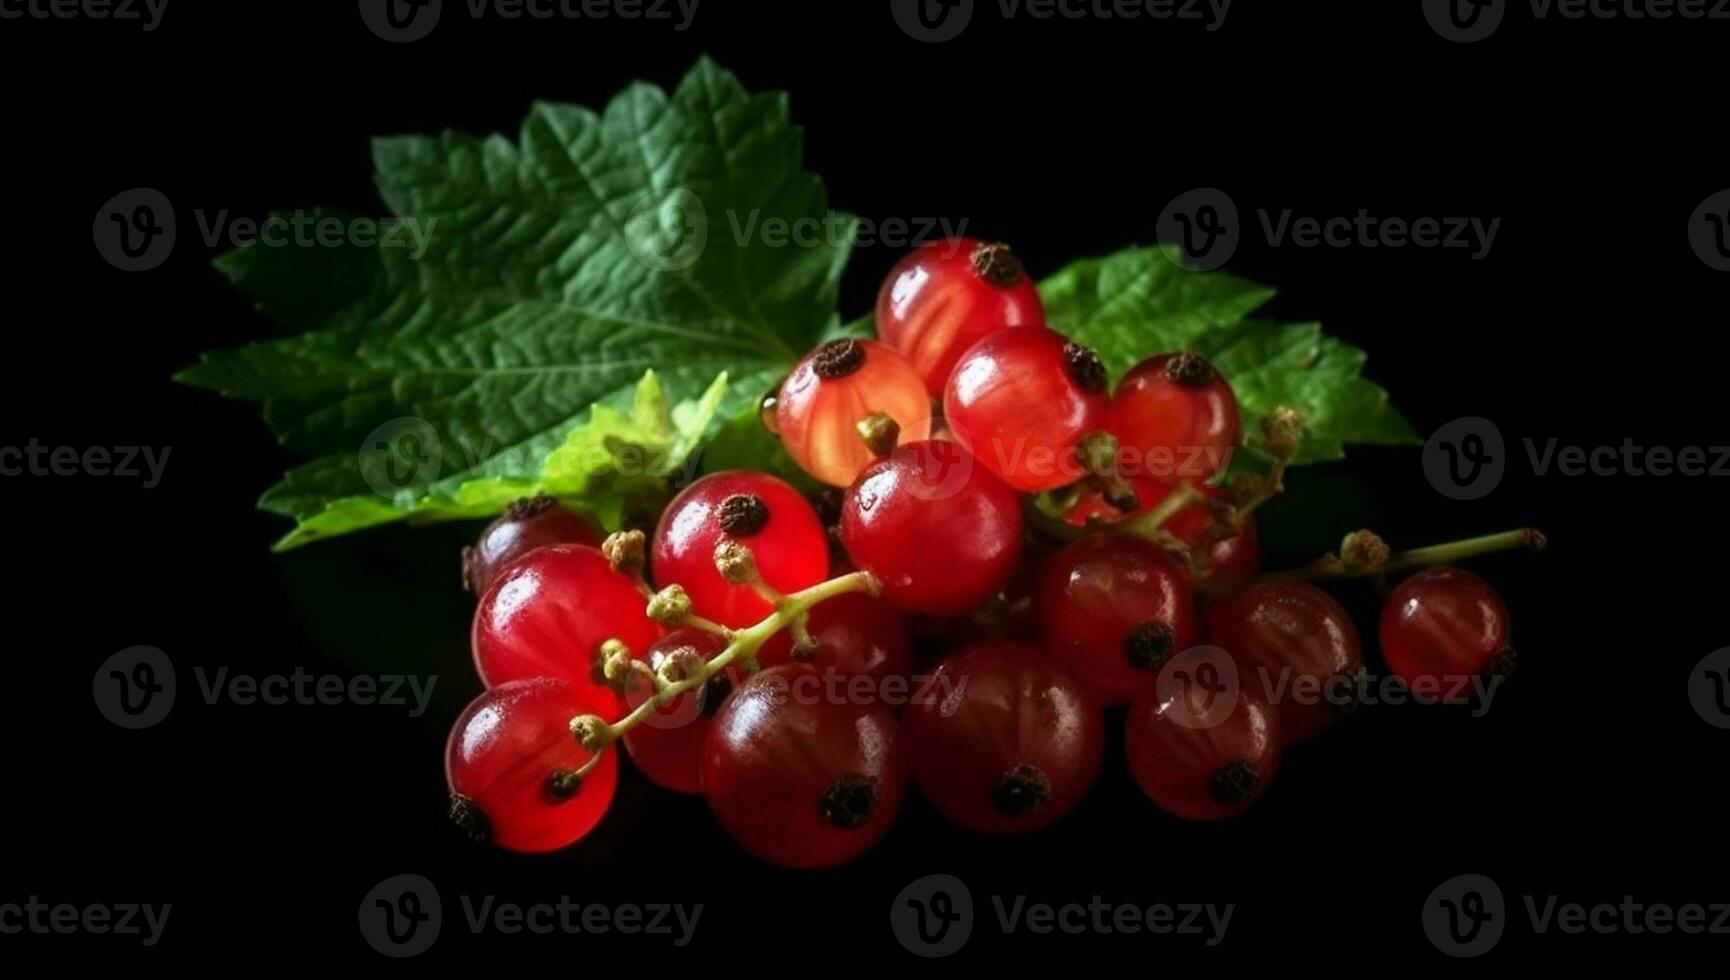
(1113, 610)
(1175, 417)
(837, 388)
(756, 509)
(1004, 741)
(1021, 401)
(856, 635)
(1201, 754)
(941, 532)
(511, 764)
(1443, 627)
(527, 524)
(799, 775)
(1299, 646)
(547, 614)
(947, 296)
(668, 744)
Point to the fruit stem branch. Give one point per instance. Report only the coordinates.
(1333, 567)
(742, 645)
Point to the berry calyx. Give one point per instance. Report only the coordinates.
(1022, 400)
(525, 525)
(1176, 418)
(1299, 647)
(1113, 610)
(786, 541)
(947, 296)
(513, 768)
(1194, 758)
(1004, 741)
(799, 778)
(1445, 626)
(941, 533)
(843, 402)
(549, 613)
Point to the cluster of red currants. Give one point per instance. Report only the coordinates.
(774, 673)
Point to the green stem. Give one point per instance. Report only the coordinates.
(743, 645)
(1525, 538)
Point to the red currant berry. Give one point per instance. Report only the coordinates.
(756, 509)
(668, 744)
(1005, 742)
(1021, 400)
(547, 615)
(530, 523)
(826, 405)
(949, 295)
(799, 776)
(1113, 610)
(1300, 647)
(856, 635)
(940, 531)
(512, 762)
(1445, 626)
(1195, 760)
(1175, 417)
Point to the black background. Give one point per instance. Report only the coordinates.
(1591, 320)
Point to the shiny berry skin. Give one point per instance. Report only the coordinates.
(547, 614)
(1230, 560)
(1299, 647)
(668, 745)
(1175, 418)
(801, 778)
(1192, 762)
(855, 635)
(1002, 741)
(834, 389)
(1021, 400)
(510, 763)
(1113, 610)
(1443, 627)
(941, 533)
(947, 296)
(527, 524)
(756, 509)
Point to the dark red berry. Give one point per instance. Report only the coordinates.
(1113, 610)
(855, 635)
(668, 744)
(1200, 754)
(528, 524)
(1445, 627)
(1299, 647)
(1002, 740)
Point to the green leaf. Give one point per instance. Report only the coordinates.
(537, 277)
(1140, 302)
